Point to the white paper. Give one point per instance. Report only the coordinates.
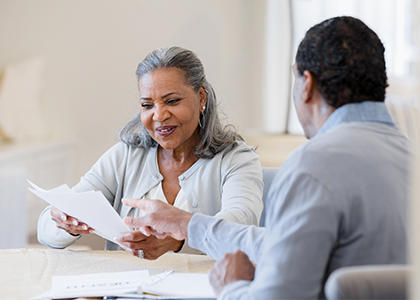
(182, 285)
(130, 285)
(95, 285)
(89, 207)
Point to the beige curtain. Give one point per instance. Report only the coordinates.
(415, 33)
(277, 63)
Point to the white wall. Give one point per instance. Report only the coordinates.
(93, 47)
(414, 217)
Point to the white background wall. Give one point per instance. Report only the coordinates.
(92, 49)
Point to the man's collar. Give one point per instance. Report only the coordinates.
(367, 111)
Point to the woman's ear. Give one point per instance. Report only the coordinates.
(203, 96)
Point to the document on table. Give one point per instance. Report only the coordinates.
(181, 285)
(131, 285)
(89, 207)
(95, 285)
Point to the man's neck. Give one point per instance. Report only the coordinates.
(321, 112)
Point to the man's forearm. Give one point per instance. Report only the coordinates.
(216, 237)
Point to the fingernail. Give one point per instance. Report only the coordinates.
(84, 226)
(63, 217)
(142, 230)
(125, 235)
(74, 223)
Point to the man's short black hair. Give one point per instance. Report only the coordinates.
(346, 59)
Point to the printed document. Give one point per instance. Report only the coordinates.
(131, 285)
(89, 207)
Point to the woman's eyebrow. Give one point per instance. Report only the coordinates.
(169, 94)
(163, 96)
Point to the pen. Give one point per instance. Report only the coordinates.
(158, 278)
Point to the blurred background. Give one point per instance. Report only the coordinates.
(68, 80)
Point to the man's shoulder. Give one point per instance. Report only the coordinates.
(356, 134)
(350, 143)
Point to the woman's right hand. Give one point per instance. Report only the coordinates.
(68, 223)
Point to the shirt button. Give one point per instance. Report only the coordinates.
(194, 204)
(181, 178)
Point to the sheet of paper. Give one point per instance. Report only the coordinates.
(89, 207)
(182, 285)
(95, 285)
(168, 285)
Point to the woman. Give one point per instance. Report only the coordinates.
(175, 150)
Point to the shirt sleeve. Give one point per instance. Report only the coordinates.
(50, 235)
(242, 186)
(216, 237)
(106, 174)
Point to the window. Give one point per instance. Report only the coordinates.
(392, 20)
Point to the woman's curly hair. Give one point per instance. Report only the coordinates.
(346, 59)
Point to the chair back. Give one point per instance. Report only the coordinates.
(368, 282)
(268, 176)
(403, 112)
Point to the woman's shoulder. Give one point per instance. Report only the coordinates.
(238, 153)
(121, 151)
(239, 147)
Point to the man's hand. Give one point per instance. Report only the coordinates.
(233, 267)
(162, 219)
(152, 248)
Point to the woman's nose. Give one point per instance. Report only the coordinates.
(161, 113)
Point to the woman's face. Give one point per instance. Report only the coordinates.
(170, 109)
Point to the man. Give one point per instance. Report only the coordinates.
(338, 200)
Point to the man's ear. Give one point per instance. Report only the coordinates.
(308, 85)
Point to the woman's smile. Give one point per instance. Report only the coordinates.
(166, 130)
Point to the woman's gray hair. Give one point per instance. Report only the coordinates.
(214, 137)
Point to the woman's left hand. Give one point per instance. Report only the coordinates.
(152, 247)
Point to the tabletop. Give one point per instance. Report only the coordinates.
(27, 272)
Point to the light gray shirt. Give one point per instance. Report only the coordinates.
(228, 186)
(338, 200)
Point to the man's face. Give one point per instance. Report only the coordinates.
(300, 104)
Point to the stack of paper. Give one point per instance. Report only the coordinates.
(90, 207)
